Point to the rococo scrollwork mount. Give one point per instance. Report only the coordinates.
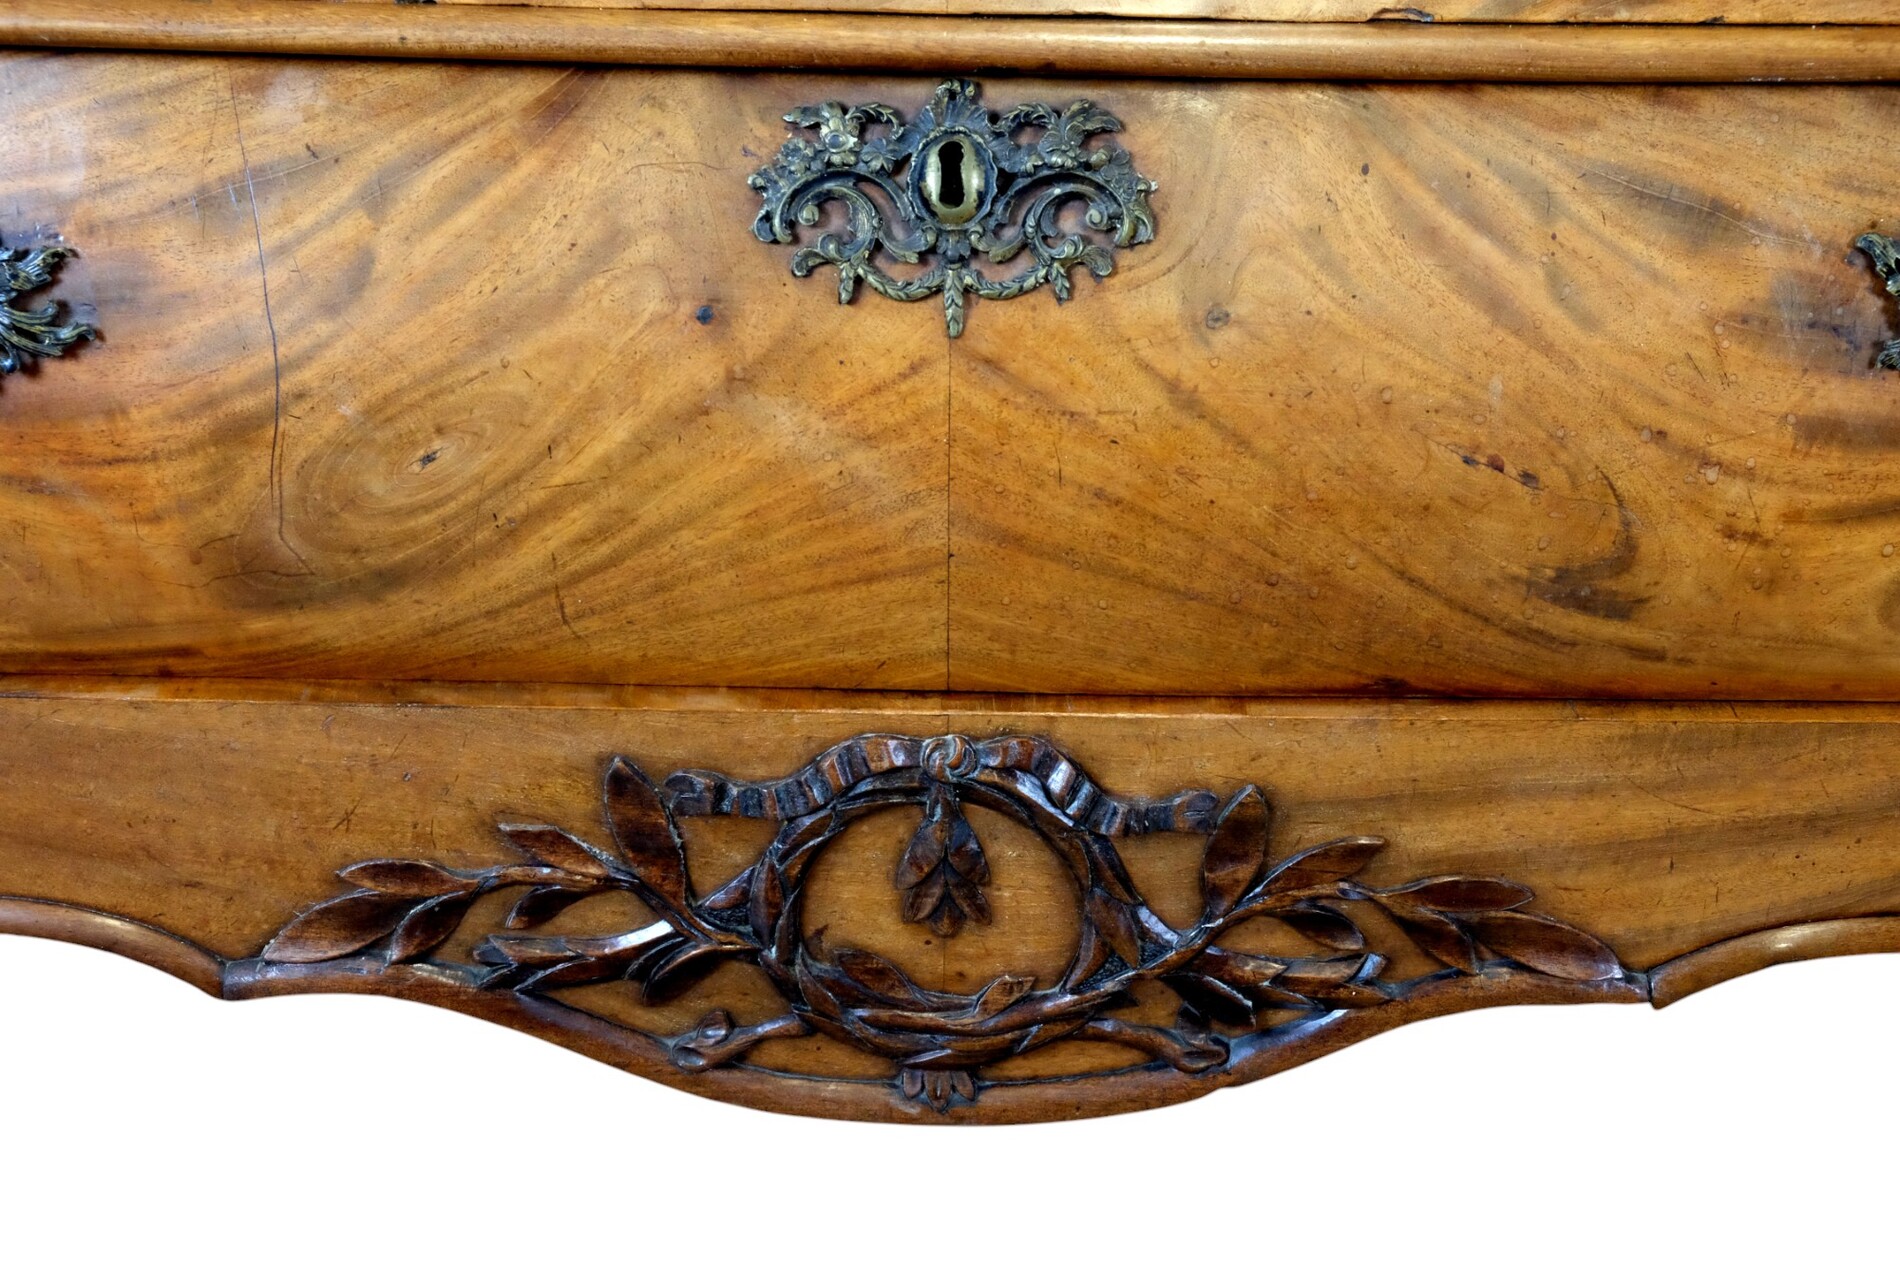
(1885, 253)
(29, 334)
(957, 182)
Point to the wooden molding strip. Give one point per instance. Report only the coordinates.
(1797, 943)
(128, 938)
(1273, 1052)
(1079, 46)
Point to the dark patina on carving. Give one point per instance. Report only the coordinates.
(27, 334)
(939, 1043)
(956, 181)
(1885, 252)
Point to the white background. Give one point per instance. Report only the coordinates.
(148, 1123)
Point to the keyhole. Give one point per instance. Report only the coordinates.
(953, 182)
(950, 167)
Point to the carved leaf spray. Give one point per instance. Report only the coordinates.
(958, 181)
(939, 1044)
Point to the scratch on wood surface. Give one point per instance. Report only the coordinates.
(560, 599)
(276, 482)
(1708, 209)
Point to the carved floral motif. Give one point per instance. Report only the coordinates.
(939, 1043)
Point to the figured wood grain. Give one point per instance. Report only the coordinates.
(213, 813)
(1479, 389)
(850, 41)
(419, 371)
(1474, 390)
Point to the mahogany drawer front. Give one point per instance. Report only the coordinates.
(477, 373)
(422, 370)
(1480, 389)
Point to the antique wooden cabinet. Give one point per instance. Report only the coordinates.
(1310, 516)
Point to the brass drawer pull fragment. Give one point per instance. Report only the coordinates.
(957, 180)
(1885, 252)
(28, 334)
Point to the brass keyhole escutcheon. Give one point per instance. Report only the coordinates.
(1885, 252)
(953, 181)
(962, 190)
(30, 334)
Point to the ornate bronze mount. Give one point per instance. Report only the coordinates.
(942, 1046)
(1885, 252)
(957, 180)
(28, 334)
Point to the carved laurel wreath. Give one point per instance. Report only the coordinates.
(940, 1043)
(1009, 195)
(30, 333)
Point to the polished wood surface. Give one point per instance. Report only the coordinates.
(424, 371)
(1485, 390)
(212, 813)
(1706, 53)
